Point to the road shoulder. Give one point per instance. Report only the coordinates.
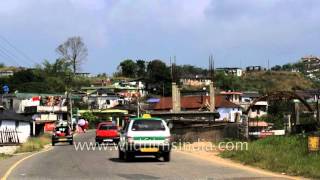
(7, 163)
(10, 163)
(213, 157)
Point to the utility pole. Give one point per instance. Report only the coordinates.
(70, 99)
(318, 111)
(162, 89)
(138, 107)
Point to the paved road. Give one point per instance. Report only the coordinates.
(64, 162)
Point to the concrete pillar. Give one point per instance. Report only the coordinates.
(176, 104)
(33, 128)
(212, 98)
(289, 124)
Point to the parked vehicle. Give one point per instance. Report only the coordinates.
(62, 133)
(145, 136)
(107, 132)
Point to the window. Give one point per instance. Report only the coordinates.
(107, 127)
(148, 125)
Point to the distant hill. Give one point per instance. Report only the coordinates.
(276, 81)
(10, 68)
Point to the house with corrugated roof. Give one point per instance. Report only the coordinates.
(229, 112)
(14, 128)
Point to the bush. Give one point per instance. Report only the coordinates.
(280, 154)
(34, 144)
(91, 118)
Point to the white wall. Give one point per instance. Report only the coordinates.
(229, 114)
(239, 72)
(254, 113)
(9, 124)
(24, 131)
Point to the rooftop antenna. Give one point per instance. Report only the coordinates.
(171, 68)
(175, 69)
(211, 68)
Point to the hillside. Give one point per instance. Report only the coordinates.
(276, 81)
(265, 81)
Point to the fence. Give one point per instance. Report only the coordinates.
(9, 137)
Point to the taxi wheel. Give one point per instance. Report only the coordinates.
(121, 155)
(158, 156)
(128, 156)
(166, 156)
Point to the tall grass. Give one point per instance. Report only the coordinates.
(4, 156)
(34, 144)
(285, 154)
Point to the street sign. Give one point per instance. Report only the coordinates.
(313, 143)
(5, 89)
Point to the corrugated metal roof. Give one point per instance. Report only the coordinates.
(193, 102)
(9, 115)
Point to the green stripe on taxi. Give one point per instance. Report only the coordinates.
(157, 138)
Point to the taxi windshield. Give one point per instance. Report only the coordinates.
(148, 125)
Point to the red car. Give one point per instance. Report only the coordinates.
(107, 132)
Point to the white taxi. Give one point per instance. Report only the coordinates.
(145, 136)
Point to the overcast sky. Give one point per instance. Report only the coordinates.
(236, 32)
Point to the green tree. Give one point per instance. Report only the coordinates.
(228, 82)
(158, 71)
(189, 70)
(287, 67)
(48, 77)
(128, 68)
(91, 118)
(276, 68)
(141, 68)
(102, 75)
(60, 66)
(158, 74)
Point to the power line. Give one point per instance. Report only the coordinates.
(6, 56)
(16, 49)
(13, 56)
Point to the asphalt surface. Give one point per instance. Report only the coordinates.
(65, 162)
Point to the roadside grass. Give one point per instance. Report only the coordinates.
(34, 144)
(4, 156)
(284, 154)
